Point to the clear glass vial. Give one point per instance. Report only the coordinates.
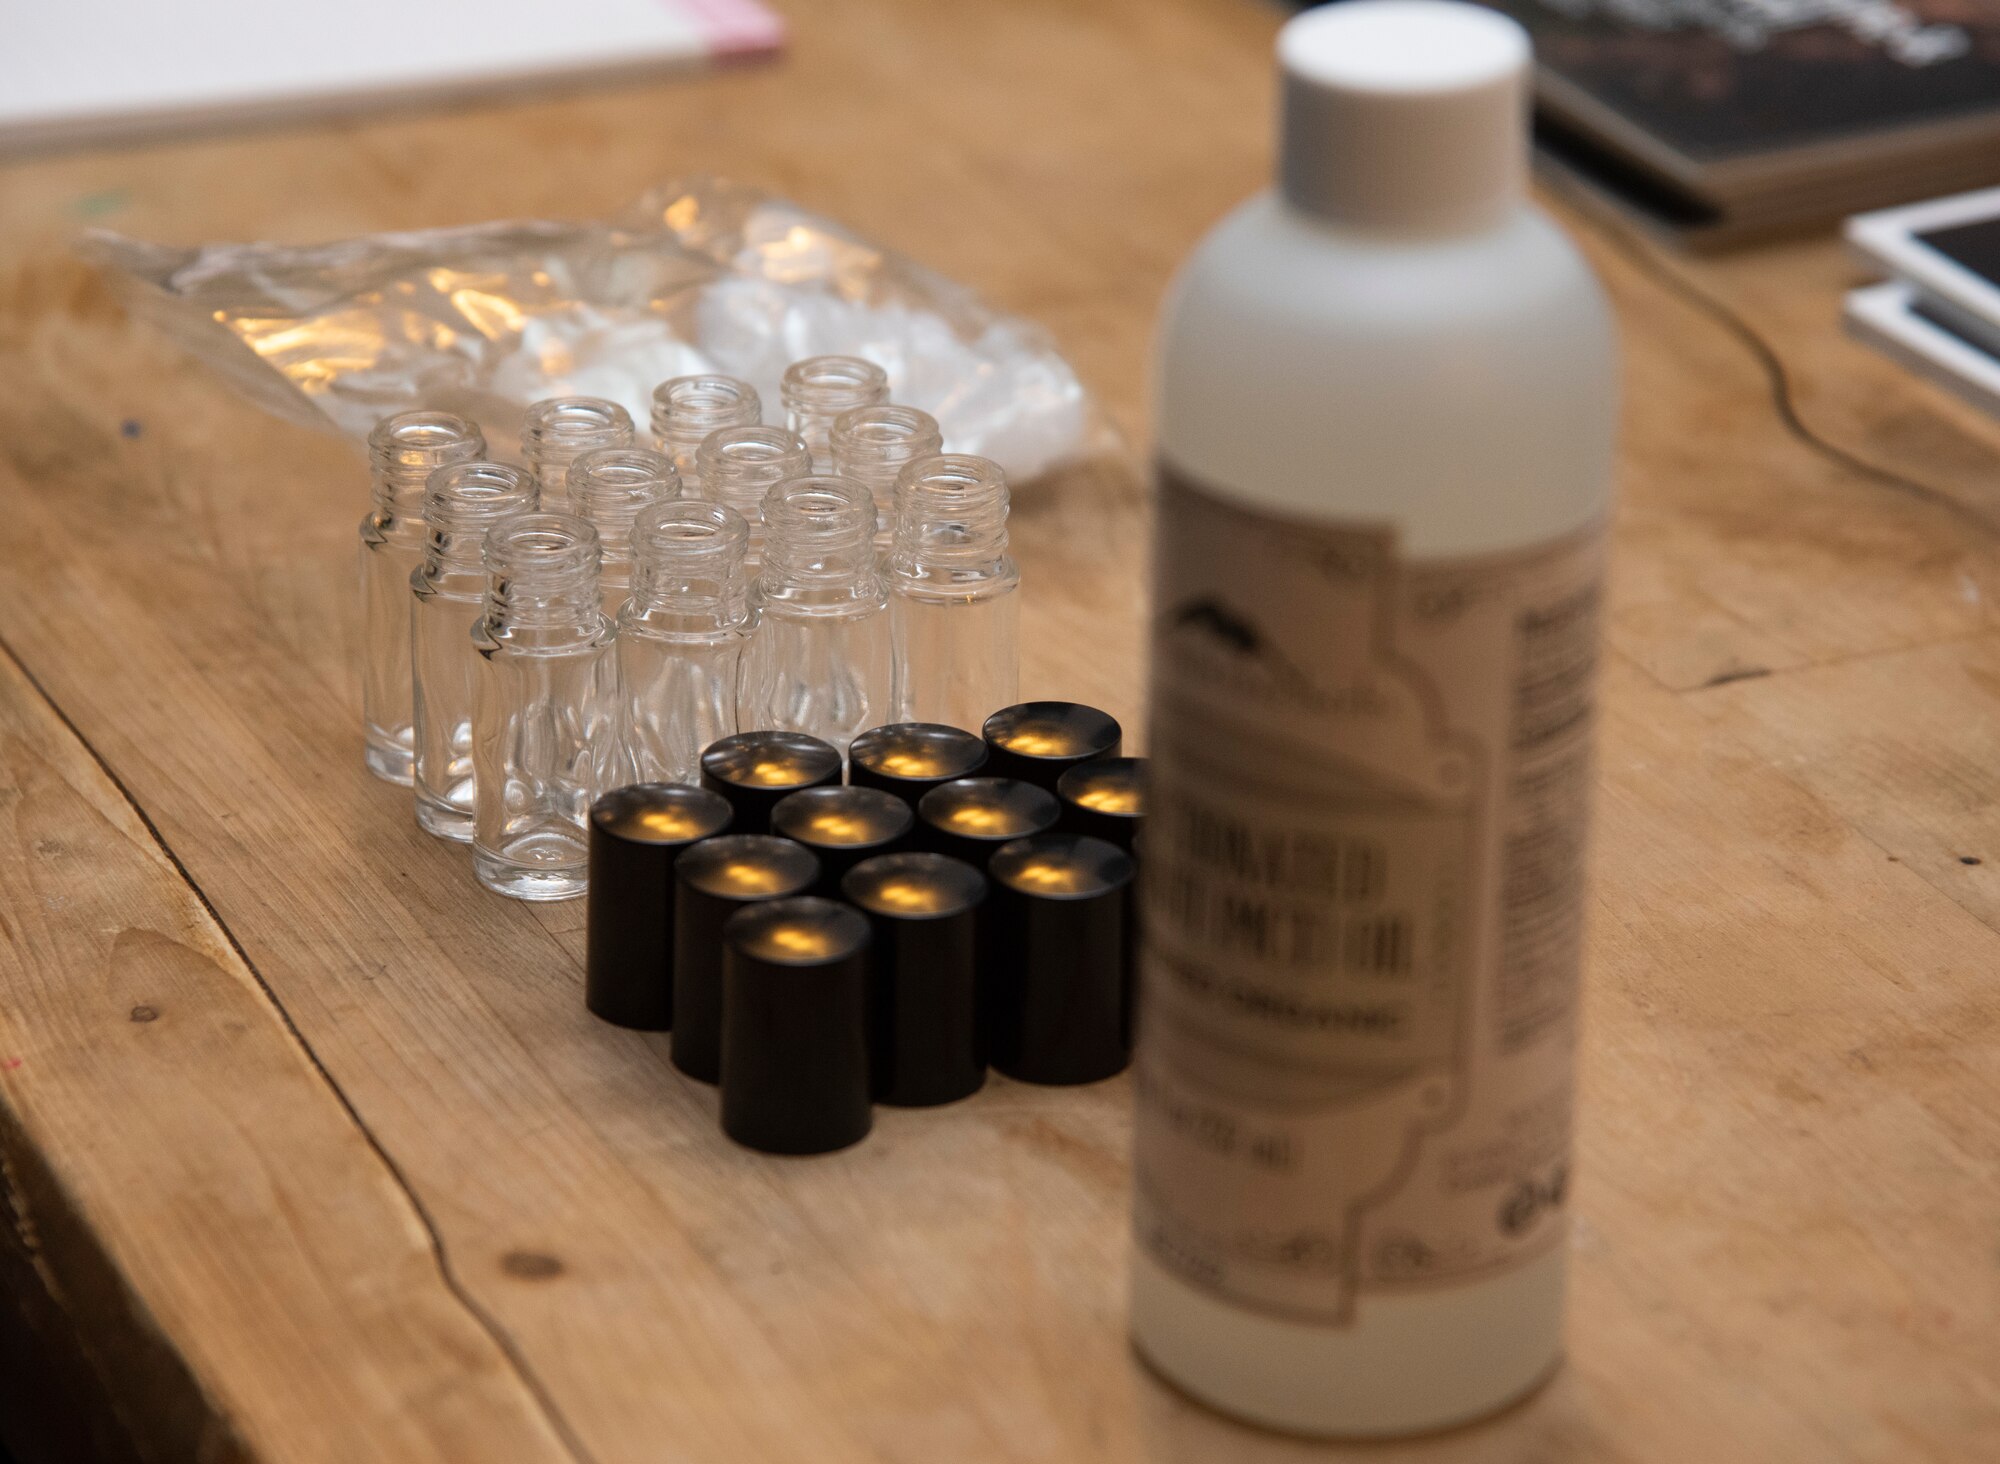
(688, 408)
(448, 591)
(873, 445)
(610, 487)
(951, 593)
(543, 708)
(818, 389)
(559, 430)
(403, 450)
(739, 466)
(821, 662)
(681, 636)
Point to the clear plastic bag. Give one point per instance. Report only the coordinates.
(705, 275)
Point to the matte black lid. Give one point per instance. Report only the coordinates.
(1105, 798)
(1057, 866)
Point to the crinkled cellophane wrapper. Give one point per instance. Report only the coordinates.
(700, 276)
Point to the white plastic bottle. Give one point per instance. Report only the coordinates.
(1386, 413)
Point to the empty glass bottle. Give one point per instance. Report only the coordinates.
(688, 408)
(872, 445)
(818, 389)
(402, 451)
(739, 466)
(951, 593)
(681, 636)
(448, 590)
(821, 660)
(610, 486)
(559, 430)
(544, 706)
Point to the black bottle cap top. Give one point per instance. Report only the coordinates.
(910, 758)
(927, 1035)
(713, 880)
(843, 826)
(795, 1027)
(1038, 741)
(636, 833)
(1062, 967)
(753, 770)
(971, 817)
(1105, 798)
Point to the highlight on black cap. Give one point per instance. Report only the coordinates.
(753, 770)
(971, 817)
(1062, 969)
(795, 1074)
(1105, 798)
(843, 826)
(635, 835)
(910, 758)
(713, 880)
(927, 1032)
(1039, 741)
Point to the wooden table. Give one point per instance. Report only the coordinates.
(311, 1152)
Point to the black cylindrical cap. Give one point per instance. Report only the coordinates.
(1105, 798)
(927, 1036)
(1038, 742)
(795, 1027)
(753, 770)
(1062, 983)
(911, 758)
(636, 834)
(712, 881)
(843, 826)
(968, 818)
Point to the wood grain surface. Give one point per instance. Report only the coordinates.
(313, 1154)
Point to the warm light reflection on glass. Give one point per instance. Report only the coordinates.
(1110, 799)
(1034, 741)
(794, 943)
(910, 896)
(843, 828)
(773, 772)
(912, 764)
(748, 877)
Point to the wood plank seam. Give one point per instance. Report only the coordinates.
(1648, 260)
(490, 1324)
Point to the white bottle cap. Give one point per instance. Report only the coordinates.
(1405, 114)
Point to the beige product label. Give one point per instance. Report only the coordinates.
(1363, 883)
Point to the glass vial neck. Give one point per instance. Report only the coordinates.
(463, 501)
(951, 519)
(541, 574)
(688, 408)
(818, 389)
(874, 444)
(739, 466)
(612, 486)
(688, 566)
(819, 542)
(404, 450)
(558, 431)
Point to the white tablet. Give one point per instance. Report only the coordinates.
(1949, 249)
(1907, 326)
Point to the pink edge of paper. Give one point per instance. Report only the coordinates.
(735, 27)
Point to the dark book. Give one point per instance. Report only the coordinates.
(1729, 116)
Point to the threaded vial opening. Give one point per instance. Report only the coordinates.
(410, 445)
(886, 435)
(472, 495)
(742, 461)
(824, 511)
(829, 385)
(542, 550)
(577, 423)
(688, 531)
(690, 404)
(617, 482)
